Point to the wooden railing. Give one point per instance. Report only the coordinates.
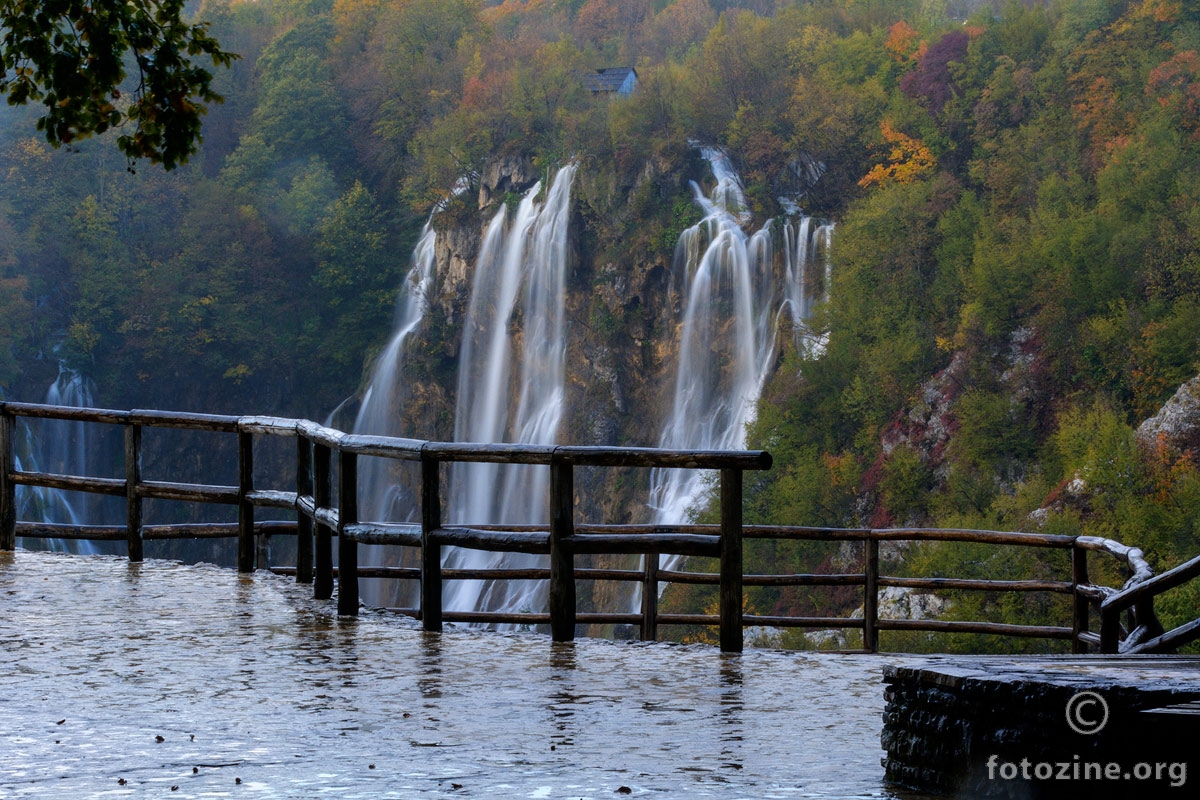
(1145, 634)
(323, 515)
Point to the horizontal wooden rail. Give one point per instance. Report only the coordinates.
(712, 578)
(183, 420)
(625, 543)
(836, 623)
(179, 530)
(710, 620)
(959, 626)
(970, 536)
(474, 539)
(188, 492)
(270, 498)
(319, 434)
(268, 426)
(497, 617)
(936, 584)
(801, 531)
(382, 446)
(69, 483)
(388, 573)
(67, 413)
(376, 533)
(149, 418)
(662, 458)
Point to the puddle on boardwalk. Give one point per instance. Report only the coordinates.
(193, 681)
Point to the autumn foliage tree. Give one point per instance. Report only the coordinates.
(907, 159)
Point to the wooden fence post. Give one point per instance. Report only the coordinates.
(304, 524)
(1081, 605)
(650, 597)
(245, 552)
(322, 491)
(133, 500)
(731, 560)
(431, 552)
(8, 489)
(562, 561)
(871, 595)
(1110, 631)
(347, 547)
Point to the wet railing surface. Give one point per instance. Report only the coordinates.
(325, 499)
(159, 679)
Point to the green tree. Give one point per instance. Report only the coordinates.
(71, 55)
(16, 309)
(299, 108)
(356, 279)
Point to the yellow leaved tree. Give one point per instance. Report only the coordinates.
(907, 160)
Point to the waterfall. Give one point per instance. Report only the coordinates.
(382, 497)
(808, 275)
(739, 289)
(510, 387)
(733, 302)
(514, 345)
(60, 447)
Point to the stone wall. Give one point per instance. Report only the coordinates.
(997, 727)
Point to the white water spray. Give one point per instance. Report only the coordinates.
(808, 276)
(60, 447)
(514, 345)
(732, 306)
(510, 388)
(382, 497)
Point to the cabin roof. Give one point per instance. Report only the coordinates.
(609, 79)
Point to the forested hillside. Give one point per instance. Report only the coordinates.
(1016, 288)
(1016, 281)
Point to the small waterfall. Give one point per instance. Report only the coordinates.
(382, 497)
(64, 448)
(514, 345)
(808, 275)
(734, 297)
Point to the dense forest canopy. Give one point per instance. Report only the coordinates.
(1017, 280)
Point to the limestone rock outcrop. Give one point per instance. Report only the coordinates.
(1177, 423)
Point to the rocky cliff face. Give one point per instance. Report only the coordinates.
(621, 311)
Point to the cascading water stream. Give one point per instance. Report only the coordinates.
(514, 345)
(732, 305)
(381, 496)
(510, 388)
(59, 447)
(806, 249)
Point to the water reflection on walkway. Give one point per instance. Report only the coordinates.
(192, 681)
